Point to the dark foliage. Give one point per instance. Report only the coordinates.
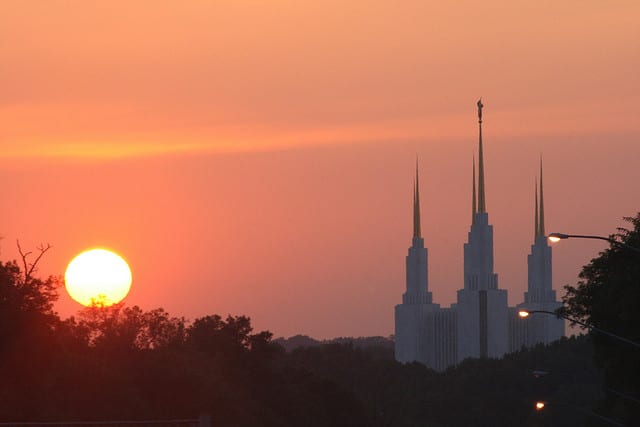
(477, 392)
(124, 363)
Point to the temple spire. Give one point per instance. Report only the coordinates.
(481, 198)
(537, 226)
(416, 206)
(541, 231)
(473, 197)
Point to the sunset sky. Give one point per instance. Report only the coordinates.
(256, 157)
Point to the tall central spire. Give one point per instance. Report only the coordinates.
(416, 206)
(541, 231)
(537, 222)
(473, 197)
(481, 200)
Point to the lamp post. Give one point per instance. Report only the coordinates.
(526, 313)
(556, 237)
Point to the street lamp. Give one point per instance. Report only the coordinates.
(540, 405)
(526, 313)
(556, 237)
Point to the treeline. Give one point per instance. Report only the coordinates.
(299, 341)
(124, 363)
(475, 393)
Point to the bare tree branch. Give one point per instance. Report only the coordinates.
(24, 258)
(30, 268)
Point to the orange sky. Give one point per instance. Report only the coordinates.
(256, 157)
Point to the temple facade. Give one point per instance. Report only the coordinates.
(480, 324)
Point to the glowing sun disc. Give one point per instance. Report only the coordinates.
(98, 276)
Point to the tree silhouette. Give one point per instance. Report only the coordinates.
(28, 331)
(129, 328)
(607, 297)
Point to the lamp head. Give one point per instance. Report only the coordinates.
(523, 313)
(539, 406)
(556, 237)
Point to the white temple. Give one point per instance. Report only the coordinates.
(480, 324)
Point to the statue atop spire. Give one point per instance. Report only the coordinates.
(541, 231)
(481, 198)
(416, 206)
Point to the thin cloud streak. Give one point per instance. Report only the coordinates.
(509, 122)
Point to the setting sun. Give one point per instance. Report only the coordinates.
(98, 276)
